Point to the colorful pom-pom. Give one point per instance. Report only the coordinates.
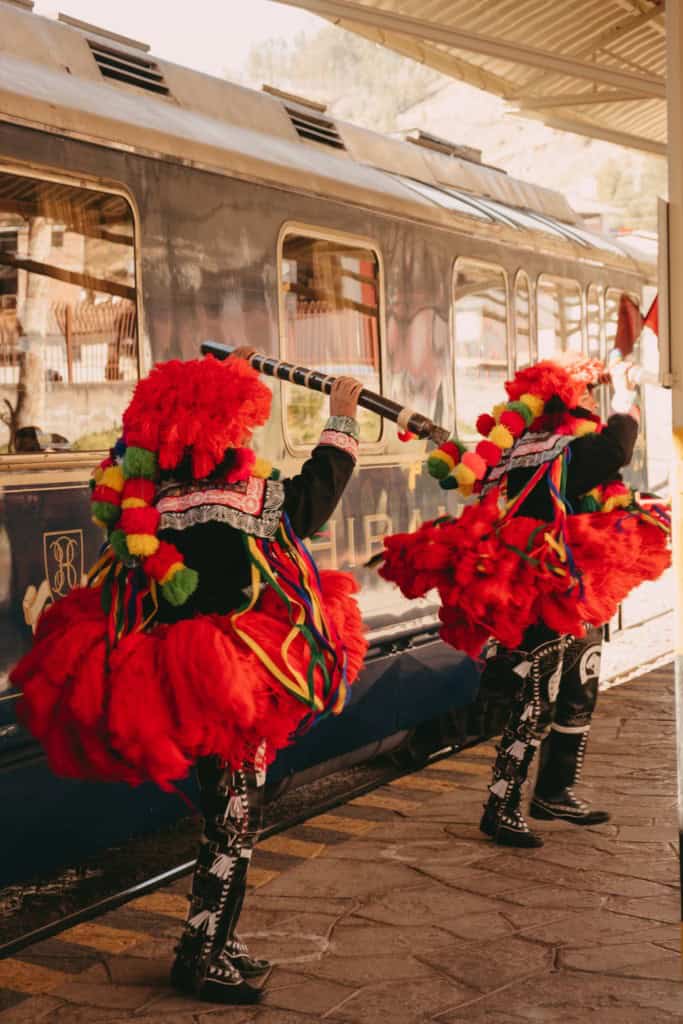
(118, 541)
(406, 435)
(501, 436)
(262, 469)
(140, 520)
(474, 462)
(515, 423)
(534, 403)
(523, 410)
(139, 462)
(142, 545)
(107, 494)
(113, 477)
(180, 587)
(453, 448)
(464, 475)
(449, 483)
(105, 513)
(498, 411)
(140, 488)
(490, 453)
(583, 427)
(485, 424)
(158, 564)
(440, 464)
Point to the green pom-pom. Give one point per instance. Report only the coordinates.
(438, 467)
(117, 539)
(139, 462)
(275, 474)
(105, 512)
(523, 410)
(181, 586)
(589, 504)
(449, 484)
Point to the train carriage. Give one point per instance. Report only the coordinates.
(145, 208)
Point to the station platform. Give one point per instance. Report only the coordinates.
(394, 908)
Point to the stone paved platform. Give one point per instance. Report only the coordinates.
(395, 909)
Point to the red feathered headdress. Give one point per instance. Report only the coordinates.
(201, 407)
(566, 377)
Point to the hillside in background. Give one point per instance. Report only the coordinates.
(379, 89)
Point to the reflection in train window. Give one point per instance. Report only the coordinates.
(559, 317)
(481, 340)
(330, 322)
(68, 321)
(523, 348)
(593, 322)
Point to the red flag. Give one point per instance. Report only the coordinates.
(652, 316)
(629, 325)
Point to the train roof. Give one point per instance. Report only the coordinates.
(76, 79)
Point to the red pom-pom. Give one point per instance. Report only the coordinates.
(139, 520)
(406, 435)
(139, 488)
(514, 422)
(485, 424)
(158, 564)
(451, 448)
(108, 494)
(490, 452)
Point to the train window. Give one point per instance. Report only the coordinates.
(559, 316)
(330, 321)
(523, 349)
(593, 322)
(481, 340)
(68, 321)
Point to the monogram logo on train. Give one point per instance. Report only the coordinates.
(63, 558)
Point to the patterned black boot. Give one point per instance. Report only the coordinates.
(238, 955)
(505, 824)
(566, 806)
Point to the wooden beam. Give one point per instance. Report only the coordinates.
(96, 284)
(575, 99)
(595, 131)
(489, 46)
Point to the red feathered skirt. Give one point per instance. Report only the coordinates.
(165, 697)
(497, 577)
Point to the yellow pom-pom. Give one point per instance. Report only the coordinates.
(262, 469)
(498, 411)
(142, 545)
(176, 567)
(585, 427)
(97, 474)
(501, 437)
(465, 490)
(113, 477)
(464, 475)
(133, 503)
(534, 403)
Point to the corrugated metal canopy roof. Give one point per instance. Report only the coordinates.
(595, 67)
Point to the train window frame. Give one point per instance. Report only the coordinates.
(599, 290)
(521, 273)
(559, 278)
(76, 460)
(498, 268)
(313, 231)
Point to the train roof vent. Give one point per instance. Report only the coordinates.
(315, 128)
(307, 117)
(125, 67)
(439, 145)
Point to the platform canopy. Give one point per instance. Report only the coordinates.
(594, 67)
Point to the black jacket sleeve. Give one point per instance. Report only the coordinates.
(313, 494)
(597, 458)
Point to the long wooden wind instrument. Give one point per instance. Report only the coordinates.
(407, 419)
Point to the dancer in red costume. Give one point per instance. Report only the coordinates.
(206, 633)
(552, 545)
